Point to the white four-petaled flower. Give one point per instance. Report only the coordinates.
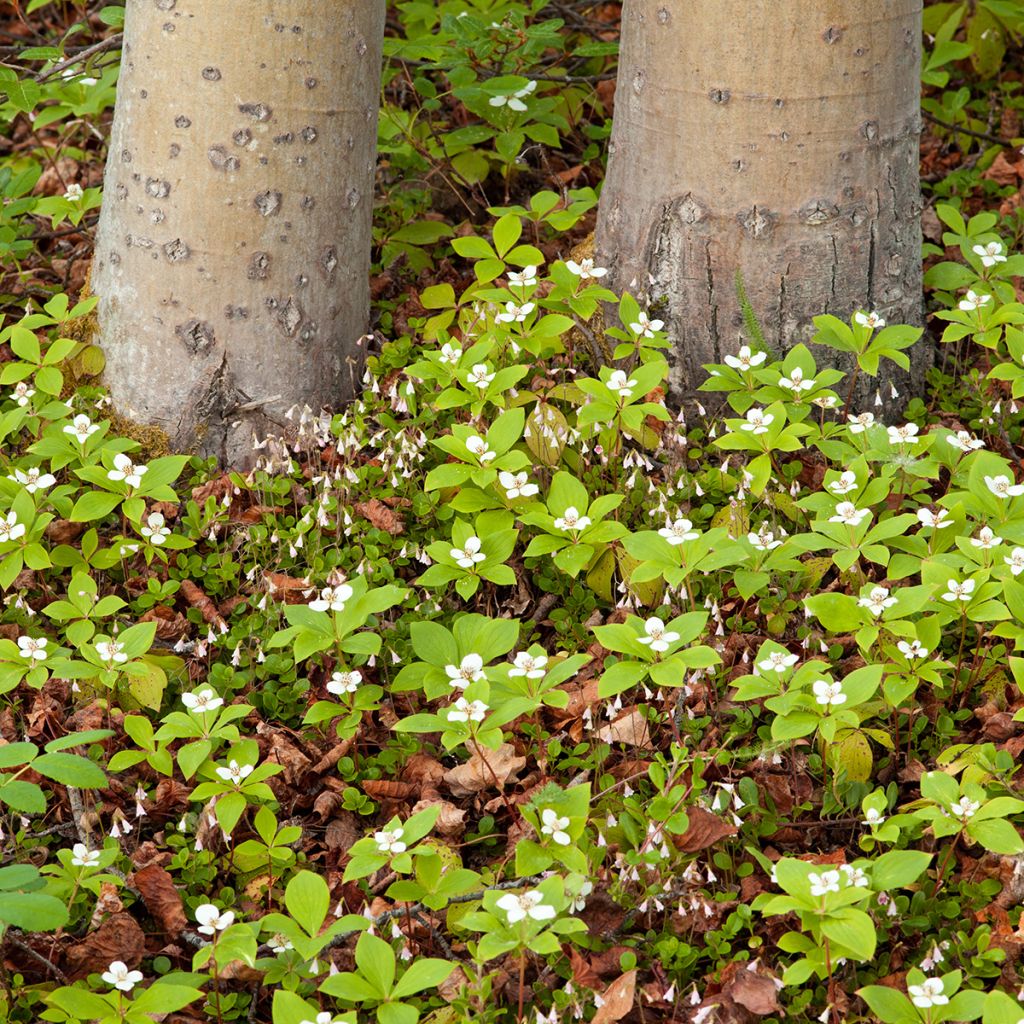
(778, 661)
(526, 905)
(118, 975)
(861, 422)
(10, 528)
(991, 253)
(525, 278)
(965, 808)
(515, 314)
(344, 682)
(745, 359)
(934, 520)
(877, 601)
(986, 539)
(1016, 561)
(973, 301)
(450, 353)
(468, 711)
(585, 269)
(469, 554)
(795, 381)
(826, 882)
(202, 700)
(478, 446)
(390, 840)
(127, 471)
(33, 479)
(870, 320)
(481, 375)
(1001, 487)
(964, 441)
(828, 694)
(848, 514)
(517, 485)
(912, 649)
(32, 647)
(514, 100)
(155, 529)
(846, 483)
(22, 393)
(678, 531)
(530, 666)
(927, 994)
(658, 638)
(235, 773)
(571, 520)
(211, 920)
(646, 327)
(83, 857)
(956, 591)
(554, 826)
(111, 652)
(758, 421)
(332, 599)
(81, 427)
(469, 670)
(907, 434)
(620, 384)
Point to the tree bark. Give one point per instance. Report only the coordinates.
(778, 138)
(232, 257)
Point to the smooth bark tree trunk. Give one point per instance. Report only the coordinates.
(233, 250)
(778, 138)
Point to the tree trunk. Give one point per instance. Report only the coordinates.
(778, 138)
(232, 257)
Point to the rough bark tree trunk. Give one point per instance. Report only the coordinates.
(774, 137)
(233, 249)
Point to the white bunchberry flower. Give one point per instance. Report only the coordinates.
(861, 422)
(118, 975)
(344, 682)
(990, 253)
(658, 638)
(279, 944)
(846, 483)
(1016, 561)
(111, 652)
(907, 434)
(332, 599)
(964, 441)
(450, 354)
(390, 840)
(646, 327)
(964, 808)
(32, 647)
(764, 539)
(870, 320)
(934, 520)
(517, 485)
(848, 514)
(529, 666)
(525, 278)
(33, 479)
(526, 905)
(826, 882)
(82, 428)
(202, 700)
(620, 384)
(514, 100)
(10, 528)
(22, 393)
(795, 381)
(74, 192)
(467, 711)
(83, 857)
(554, 826)
(973, 301)
(986, 539)
(958, 591)
(211, 920)
(856, 877)
(927, 994)
(585, 269)
(478, 446)
(469, 670)
(828, 694)
(155, 529)
(873, 816)
(571, 520)
(235, 773)
(877, 601)
(126, 470)
(481, 375)
(912, 650)
(1001, 487)
(678, 531)
(758, 421)
(778, 661)
(469, 554)
(515, 314)
(745, 360)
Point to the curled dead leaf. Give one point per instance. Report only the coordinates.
(484, 770)
(162, 898)
(617, 999)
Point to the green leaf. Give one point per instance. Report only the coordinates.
(376, 962)
(308, 900)
(94, 505)
(70, 770)
(423, 974)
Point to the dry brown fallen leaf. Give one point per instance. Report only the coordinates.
(704, 830)
(495, 768)
(162, 898)
(617, 999)
(756, 993)
(118, 938)
(630, 728)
